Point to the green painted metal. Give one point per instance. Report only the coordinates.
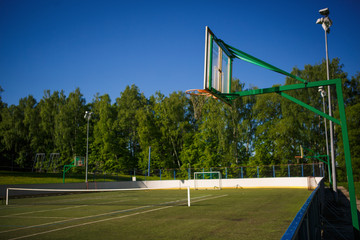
(318, 157)
(309, 107)
(67, 168)
(280, 88)
(220, 43)
(228, 98)
(347, 154)
(230, 74)
(251, 59)
(210, 62)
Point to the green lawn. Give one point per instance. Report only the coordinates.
(156, 214)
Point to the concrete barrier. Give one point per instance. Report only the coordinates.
(281, 182)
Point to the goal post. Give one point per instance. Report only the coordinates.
(207, 180)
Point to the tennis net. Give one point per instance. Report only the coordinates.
(132, 196)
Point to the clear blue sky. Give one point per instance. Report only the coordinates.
(101, 46)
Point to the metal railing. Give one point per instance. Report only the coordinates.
(284, 170)
(307, 222)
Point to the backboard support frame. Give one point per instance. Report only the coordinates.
(229, 97)
(342, 123)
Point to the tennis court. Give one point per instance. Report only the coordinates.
(153, 214)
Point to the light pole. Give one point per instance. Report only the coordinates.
(87, 116)
(323, 94)
(326, 24)
(149, 161)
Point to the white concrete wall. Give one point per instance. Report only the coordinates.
(280, 182)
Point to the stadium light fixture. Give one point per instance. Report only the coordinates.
(324, 11)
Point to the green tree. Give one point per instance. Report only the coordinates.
(173, 121)
(3, 150)
(19, 127)
(49, 108)
(126, 125)
(32, 124)
(10, 138)
(149, 136)
(70, 126)
(104, 148)
(241, 126)
(267, 112)
(2, 104)
(210, 144)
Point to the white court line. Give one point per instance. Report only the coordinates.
(105, 203)
(83, 224)
(57, 209)
(72, 219)
(108, 219)
(225, 195)
(71, 200)
(49, 210)
(80, 218)
(31, 217)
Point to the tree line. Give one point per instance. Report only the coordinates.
(182, 131)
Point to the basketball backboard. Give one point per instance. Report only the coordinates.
(217, 65)
(79, 161)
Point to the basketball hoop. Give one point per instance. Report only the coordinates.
(198, 100)
(200, 92)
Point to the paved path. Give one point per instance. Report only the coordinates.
(346, 193)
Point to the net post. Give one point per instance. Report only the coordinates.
(188, 194)
(7, 196)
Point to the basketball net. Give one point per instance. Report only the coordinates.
(197, 97)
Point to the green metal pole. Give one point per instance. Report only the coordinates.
(354, 215)
(64, 174)
(67, 168)
(210, 63)
(309, 107)
(230, 74)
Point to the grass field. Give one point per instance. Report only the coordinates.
(154, 214)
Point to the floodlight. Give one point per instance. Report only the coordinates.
(322, 91)
(324, 11)
(87, 115)
(325, 23)
(320, 21)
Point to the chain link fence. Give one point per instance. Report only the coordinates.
(287, 170)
